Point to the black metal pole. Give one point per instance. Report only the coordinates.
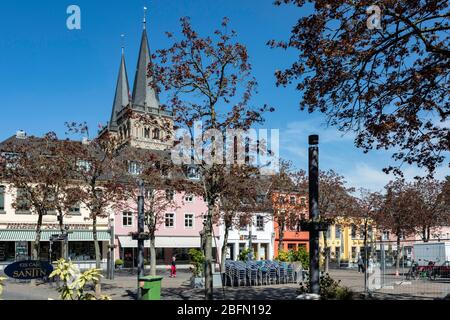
(314, 213)
(140, 239)
(112, 251)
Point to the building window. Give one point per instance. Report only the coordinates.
(75, 209)
(329, 233)
(134, 167)
(337, 251)
(146, 133)
(2, 198)
(189, 198)
(189, 220)
(385, 235)
(259, 223)
(83, 165)
(353, 252)
(303, 201)
(362, 231)
(127, 219)
(353, 231)
(170, 194)
(170, 220)
(23, 204)
(292, 247)
(260, 198)
(337, 232)
(156, 133)
(292, 200)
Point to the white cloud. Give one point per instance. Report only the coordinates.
(365, 176)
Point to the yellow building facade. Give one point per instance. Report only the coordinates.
(346, 241)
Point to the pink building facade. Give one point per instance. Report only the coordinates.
(178, 231)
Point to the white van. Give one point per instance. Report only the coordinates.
(437, 252)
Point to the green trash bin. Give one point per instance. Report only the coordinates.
(150, 287)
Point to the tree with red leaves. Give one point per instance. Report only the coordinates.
(208, 80)
(39, 172)
(98, 177)
(395, 212)
(381, 71)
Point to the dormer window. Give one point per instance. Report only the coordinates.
(193, 173)
(292, 199)
(83, 165)
(189, 198)
(156, 133)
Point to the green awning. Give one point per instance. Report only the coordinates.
(30, 235)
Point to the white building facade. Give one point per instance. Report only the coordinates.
(261, 231)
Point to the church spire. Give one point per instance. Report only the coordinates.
(144, 96)
(122, 96)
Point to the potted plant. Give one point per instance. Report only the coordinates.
(197, 259)
(118, 263)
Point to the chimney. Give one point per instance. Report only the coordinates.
(21, 134)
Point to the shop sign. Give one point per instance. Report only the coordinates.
(27, 270)
(47, 226)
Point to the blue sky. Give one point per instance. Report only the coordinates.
(49, 74)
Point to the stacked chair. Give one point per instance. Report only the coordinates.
(262, 272)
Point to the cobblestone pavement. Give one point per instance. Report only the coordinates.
(123, 287)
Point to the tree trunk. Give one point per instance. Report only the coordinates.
(326, 251)
(280, 234)
(224, 250)
(98, 288)
(397, 262)
(37, 239)
(152, 255)
(208, 254)
(36, 245)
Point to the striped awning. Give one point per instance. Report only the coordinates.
(30, 235)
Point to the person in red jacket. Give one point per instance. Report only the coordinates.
(173, 268)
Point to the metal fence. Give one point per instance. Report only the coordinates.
(421, 271)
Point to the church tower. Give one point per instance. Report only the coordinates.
(139, 120)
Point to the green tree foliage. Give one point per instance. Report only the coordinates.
(329, 288)
(197, 258)
(243, 255)
(292, 256)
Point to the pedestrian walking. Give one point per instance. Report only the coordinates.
(173, 268)
(360, 264)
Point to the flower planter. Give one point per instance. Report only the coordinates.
(197, 282)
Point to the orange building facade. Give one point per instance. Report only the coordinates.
(289, 208)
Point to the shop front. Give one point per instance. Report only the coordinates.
(16, 244)
(166, 248)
